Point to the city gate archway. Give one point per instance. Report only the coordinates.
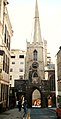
(29, 90)
(33, 96)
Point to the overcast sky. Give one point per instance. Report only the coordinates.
(21, 14)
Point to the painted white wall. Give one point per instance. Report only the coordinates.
(19, 64)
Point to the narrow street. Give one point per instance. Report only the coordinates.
(33, 113)
(43, 113)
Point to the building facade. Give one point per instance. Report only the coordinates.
(36, 60)
(17, 66)
(35, 87)
(36, 54)
(5, 40)
(58, 76)
(50, 77)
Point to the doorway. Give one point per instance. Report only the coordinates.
(36, 98)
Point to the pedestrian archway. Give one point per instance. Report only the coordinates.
(36, 98)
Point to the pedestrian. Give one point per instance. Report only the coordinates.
(19, 104)
(25, 106)
(22, 101)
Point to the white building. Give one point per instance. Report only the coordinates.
(17, 65)
(5, 40)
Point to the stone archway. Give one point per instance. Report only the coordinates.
(36, 98)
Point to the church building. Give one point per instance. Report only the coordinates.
(34, 87)
(36, 54)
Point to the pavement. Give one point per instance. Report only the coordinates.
(52, 108)
(15, 114)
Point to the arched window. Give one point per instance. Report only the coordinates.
(35, 55)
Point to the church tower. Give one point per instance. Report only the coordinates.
(36, 54)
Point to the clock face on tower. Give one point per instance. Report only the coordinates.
(35, 64)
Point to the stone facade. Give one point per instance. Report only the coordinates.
(36, 54)
(59, 72)
(5, 41)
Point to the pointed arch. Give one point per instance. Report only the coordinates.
(36, 98)
(35, 74)
(35, 55)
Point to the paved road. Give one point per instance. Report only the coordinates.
(33, 113)
(12, 114)
(42, 113)
(15, 114)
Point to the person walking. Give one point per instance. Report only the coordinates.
(19, 104)
(25, 106)
(22, 101)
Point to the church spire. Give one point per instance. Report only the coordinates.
(37, 31)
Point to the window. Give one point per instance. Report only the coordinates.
(10, 77)
(4, 62)
(21, 62)
(13, 62)
(8, 65)
(7, 38)
(12, 56)
(9, 43)
(11, 70)
(21, 77)
(0, 70)
(21, 56)
(20, 70)
(5, 35)
(35, 55)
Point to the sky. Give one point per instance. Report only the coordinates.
(21, 13)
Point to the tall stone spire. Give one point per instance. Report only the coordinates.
(37, 31)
